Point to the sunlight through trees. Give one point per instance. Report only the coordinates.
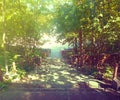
(90, 27)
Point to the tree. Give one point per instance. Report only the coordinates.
(25, 22)
(18, 29)
(71, 19)
(103, 27)
(4, 33)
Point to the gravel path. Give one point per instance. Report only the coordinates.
(53, 73)
(55, 80)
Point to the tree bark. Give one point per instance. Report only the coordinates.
(81, 48)
(1, 75)
(115, 71)
(4, 34)
(75, 46)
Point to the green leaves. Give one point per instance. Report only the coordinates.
(29, 18)
(98, 20)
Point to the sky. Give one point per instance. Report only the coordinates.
(51, 42)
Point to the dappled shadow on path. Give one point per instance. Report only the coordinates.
(54, 73)
(55, 80)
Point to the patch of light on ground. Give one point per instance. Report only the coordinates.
(60, 82)
(93, 84)
(65, 72)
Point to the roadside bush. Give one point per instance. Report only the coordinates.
(108, 72)
(3, 86)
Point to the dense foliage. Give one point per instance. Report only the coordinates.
(97, 20)
(22, 25)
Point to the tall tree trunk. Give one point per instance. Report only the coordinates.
(4, 34)
(93, 43)
(115, 71)
(75, 46)
(81, 48)
(1, 75)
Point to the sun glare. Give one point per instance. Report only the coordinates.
(51, 42)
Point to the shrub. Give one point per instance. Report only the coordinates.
(108, 72)
(3, 86)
